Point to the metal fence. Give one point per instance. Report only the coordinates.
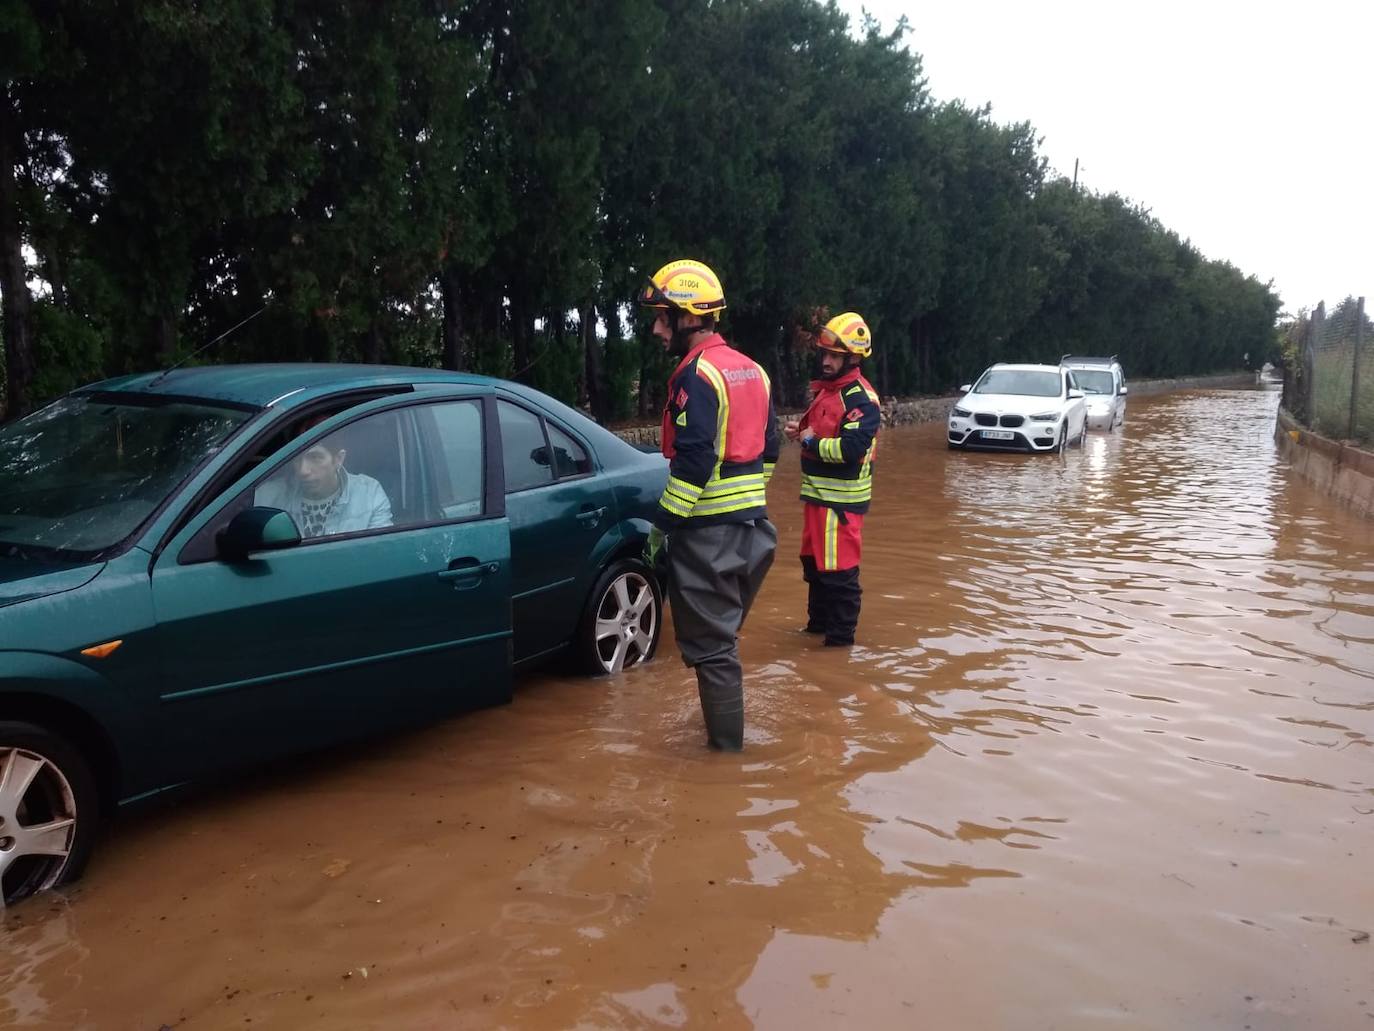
(1330, 387)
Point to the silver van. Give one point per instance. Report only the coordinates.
(1103, 383)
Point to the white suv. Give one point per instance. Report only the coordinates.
(1104, 388)
(1020, 408)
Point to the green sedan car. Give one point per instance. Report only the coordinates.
(212, 567)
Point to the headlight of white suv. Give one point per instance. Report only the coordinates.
(1044, 417)
(962, 412)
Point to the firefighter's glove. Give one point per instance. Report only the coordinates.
(656, 550)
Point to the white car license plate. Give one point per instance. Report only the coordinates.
(998, 435)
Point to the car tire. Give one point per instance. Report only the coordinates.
(1083, 434)
(59, 790)
(622, 620)
(1062, 444)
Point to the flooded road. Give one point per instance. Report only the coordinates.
(1102, 758)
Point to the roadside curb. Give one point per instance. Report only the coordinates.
(1337, 468)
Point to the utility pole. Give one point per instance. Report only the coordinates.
(1355, 370)
(1075, 173)
(1309, 364)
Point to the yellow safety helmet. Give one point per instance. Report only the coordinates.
(847, 334)
(687, 285)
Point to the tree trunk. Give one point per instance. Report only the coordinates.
(595, 367)
(450, 285)
(556, 325)
(913, 332)
(649, 387)
(319, 342)
(373, 344)
(14, 287)
(53, 263)
(522, 333)
(924, 365)
(165, 337)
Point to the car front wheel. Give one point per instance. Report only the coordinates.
(48, 811)
(621, 624)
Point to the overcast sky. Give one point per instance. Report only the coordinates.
(1244, 127)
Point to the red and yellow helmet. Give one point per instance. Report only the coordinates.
(684, 284)
(847, 334)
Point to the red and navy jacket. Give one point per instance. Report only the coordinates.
(720, 437)
(837, 469)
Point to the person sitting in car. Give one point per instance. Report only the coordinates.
(322, 496)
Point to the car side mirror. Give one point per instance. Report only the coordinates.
(257, 529)
(966, 387)
(1123, 388)
(1075, 393)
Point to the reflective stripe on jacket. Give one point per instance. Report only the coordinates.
(837, 470)
(720, 438)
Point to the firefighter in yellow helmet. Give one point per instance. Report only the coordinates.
(838, 437)
(711, 531)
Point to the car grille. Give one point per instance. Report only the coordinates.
(984, 419)
(1010, 421)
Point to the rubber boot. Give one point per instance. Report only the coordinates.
(721, 687)
(816, 616)
(843, 595)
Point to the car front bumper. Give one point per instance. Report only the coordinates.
(1028, 437)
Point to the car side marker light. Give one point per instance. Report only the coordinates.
(101, 651)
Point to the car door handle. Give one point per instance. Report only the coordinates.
(465, 573)
(591, 516)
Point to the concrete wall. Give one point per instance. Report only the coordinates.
(1336, 468)
(1147, 387)
(930, 409)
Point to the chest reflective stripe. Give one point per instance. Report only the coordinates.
(842, 483)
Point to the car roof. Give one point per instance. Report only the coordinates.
(262, 385)
(1021, 367)
(1086, 361)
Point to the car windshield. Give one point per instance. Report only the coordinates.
(1094, 381)
(1018, 381)
(79, 476)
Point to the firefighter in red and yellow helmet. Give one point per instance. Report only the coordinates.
(838, 437)
(711, 528)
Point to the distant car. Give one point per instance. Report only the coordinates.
(1103, 383)
(1019, 408)
(213, 567)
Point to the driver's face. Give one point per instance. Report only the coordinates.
(318, 471)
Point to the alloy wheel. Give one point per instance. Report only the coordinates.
(37, 823)
(626, 622)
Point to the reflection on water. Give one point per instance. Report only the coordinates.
(1121, 700)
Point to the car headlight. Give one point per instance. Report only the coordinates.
(962, 413)
(1044, 417)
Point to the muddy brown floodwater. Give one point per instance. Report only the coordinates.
(1102, 759)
